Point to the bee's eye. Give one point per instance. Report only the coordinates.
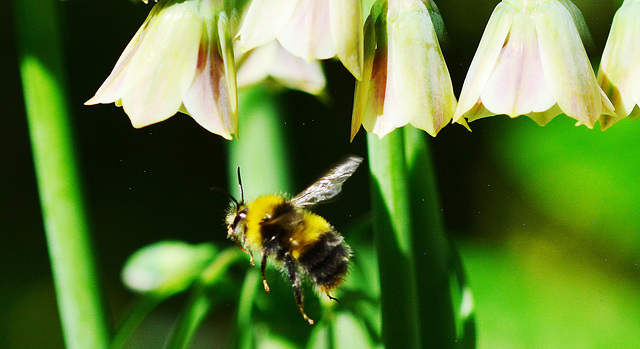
(240, 216)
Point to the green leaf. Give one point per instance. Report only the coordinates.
(166, 267)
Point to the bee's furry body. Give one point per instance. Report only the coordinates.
(299, 242)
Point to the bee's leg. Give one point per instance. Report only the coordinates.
(263, 268)
(244, 250)
(333, 298)
(292, 270)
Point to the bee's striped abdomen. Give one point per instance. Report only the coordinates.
(327, 261)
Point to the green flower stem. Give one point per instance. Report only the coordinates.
(432, 249)
(139, 313)
(201, 301)
(421, 276)
(80, 300)
(252, 284)
(261, 148)
(392, 227)
(195, 312)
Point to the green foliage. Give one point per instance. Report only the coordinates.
(166, 267)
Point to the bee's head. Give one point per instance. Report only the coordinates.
(237, 209)
(235, 215)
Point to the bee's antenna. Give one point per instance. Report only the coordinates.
(224, 193)
(241, 190)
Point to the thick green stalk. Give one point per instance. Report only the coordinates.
(78, 293)
(431, 247)
(392, 228)
(261, 148)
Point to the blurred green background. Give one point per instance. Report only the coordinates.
(546, 219)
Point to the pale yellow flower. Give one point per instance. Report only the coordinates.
(274, 62)
(310, 29)
(405, 80)
(619, 73)
(531, 61)
(181, 59)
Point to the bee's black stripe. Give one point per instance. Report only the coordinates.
(327, 260)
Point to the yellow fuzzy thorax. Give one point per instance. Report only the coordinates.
(301, 236)
(258, 210)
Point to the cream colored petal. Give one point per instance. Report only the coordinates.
(376, 106)
(226, 47)
(581, 24)
(619, 74)
(392, 115)
(296, 73)
(271, 60)
(163, 68)
(112, 89)
(308, 34)
(484, 61)
(379, 104)
(420, 79)
(566, 65)
(542, 118)
(347, 30)
(263, 21)
(210, 101)
(517, 87)
(254, 66)
(363, 87)
(635, 113)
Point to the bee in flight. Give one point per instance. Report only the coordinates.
(299, 242)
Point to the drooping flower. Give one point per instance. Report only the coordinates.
(181, 59)
(531, 61)
(619, 73)
(405, 80)
(310, 29)
(273, 61)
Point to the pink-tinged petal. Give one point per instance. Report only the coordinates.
(566, 65)
(263, 21)
(365, 88)
(347, 31)
(419, 83)
(379, 101)
(517, 86)
(226, 47)
(254, 66)
(484, 62)
(580, 23)
(163, 68)
(619, 73)
(271, 60)
(296, 73)
(308, 32)
(111, 89)
(211, 101)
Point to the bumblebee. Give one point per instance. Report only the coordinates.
(298, 242)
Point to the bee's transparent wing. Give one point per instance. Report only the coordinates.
(329, 185)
